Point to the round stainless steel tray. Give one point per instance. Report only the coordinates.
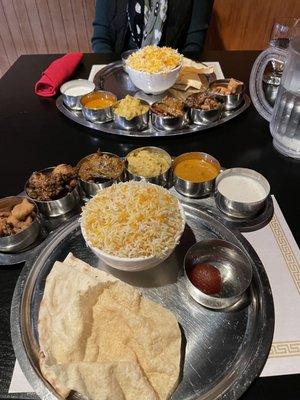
(114, 79)
(224, 350)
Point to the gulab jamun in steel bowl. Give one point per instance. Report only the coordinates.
(217, 273)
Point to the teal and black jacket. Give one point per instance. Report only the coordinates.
(184, 29)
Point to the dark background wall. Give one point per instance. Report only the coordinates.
(59, 26)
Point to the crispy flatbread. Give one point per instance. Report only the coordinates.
(192, 75)
(193, 66)
(102, 338)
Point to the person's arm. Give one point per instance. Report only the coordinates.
(200, 18)
(101, 40)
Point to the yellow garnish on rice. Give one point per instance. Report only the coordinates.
(154, 59)
(133, 219)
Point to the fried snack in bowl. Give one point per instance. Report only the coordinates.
(19, 223)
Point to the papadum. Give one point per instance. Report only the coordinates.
(100, 337)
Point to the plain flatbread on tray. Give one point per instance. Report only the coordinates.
(100, 337)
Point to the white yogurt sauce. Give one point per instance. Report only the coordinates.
(78, 91)
(241, 188)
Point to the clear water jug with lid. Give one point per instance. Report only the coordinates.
(284, 117)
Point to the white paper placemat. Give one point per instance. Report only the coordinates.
(280, 255)
(18, 383)
(214, 64)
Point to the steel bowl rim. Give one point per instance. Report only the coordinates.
(98, 109)
(220, 109)
(76, 80)
(208, 95)
(137, 116)
(225, 172)
(148, 147)
(238, 250)
(201, 153)
(185, 111)
(225, 81)
(36, 219)
(102, 152)
(48, 201)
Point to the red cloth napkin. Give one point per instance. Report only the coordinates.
(57, 73)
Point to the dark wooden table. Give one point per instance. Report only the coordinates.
(34, 135)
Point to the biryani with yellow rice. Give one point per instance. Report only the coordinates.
(133, 220)
(154, 59)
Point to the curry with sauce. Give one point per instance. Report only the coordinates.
(100, 103)
(196, 170)
(98, 100)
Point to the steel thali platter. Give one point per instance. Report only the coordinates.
(114, 79)
(223, 352)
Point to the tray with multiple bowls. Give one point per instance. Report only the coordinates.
(113, 79)
(49, 215)
(226, 338)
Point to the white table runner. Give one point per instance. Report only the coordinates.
(280, 256)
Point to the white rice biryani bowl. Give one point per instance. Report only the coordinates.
(133, 226)
(154, 69)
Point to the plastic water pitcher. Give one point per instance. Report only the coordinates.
(284, 117)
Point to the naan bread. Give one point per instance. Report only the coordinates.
(102, 338)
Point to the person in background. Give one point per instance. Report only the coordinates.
(122, 25)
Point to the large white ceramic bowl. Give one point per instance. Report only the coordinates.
(153, 83)
(135, 264)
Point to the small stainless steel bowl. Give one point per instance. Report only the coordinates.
(200, 117)
(21, 240)
(230, 101)
(91, 188)
(194, 189)
(100, 115)
(239, 209)
(162, 179)
(135, 124)
(73, 102)
(169, 124)
(54, 208)
(234, 266)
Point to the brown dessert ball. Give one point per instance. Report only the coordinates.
(206, 278)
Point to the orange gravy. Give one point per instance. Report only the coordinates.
(99, 103)
(196, 170)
